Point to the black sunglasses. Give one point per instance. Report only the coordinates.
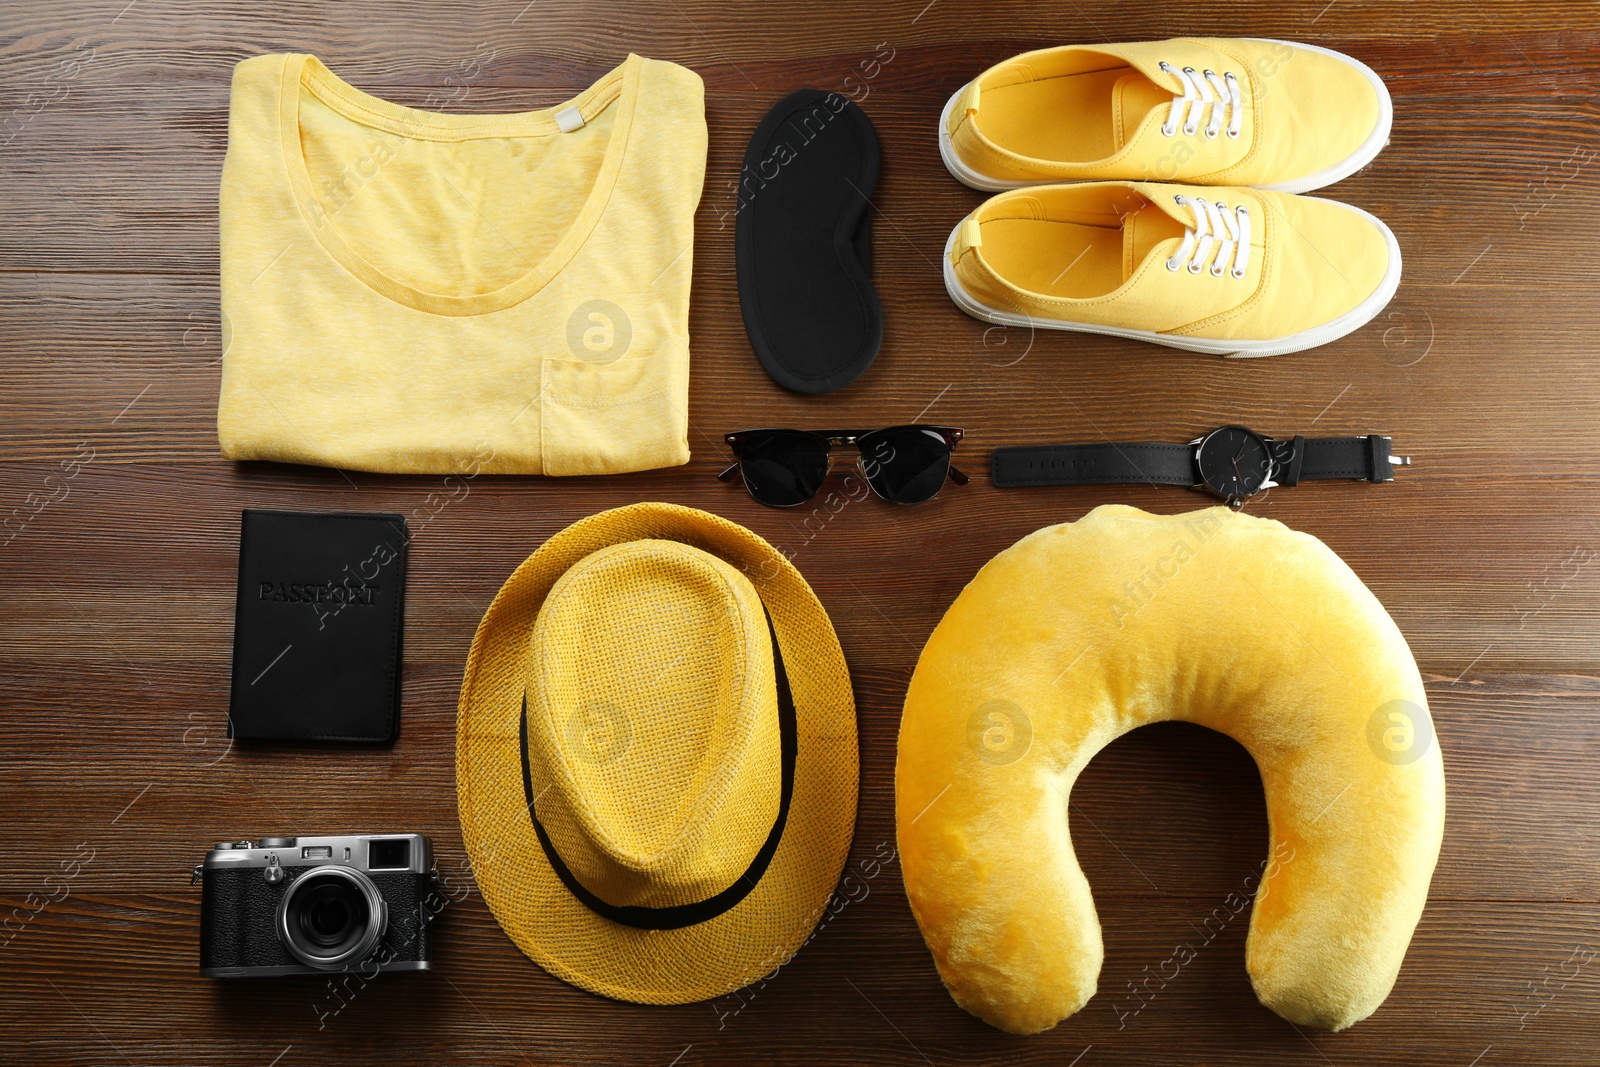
(902, 464)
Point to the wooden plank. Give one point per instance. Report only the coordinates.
(1519, 595)
(72, 370)
(141, 170)
(1512, 977)
(1175, 808)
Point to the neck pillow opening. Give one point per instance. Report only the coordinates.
(1084, 631)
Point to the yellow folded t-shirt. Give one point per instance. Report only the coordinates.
(416, 292)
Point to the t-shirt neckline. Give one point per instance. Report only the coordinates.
(306, 73)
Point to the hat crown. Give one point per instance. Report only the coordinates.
(500, 774)
(653, 717)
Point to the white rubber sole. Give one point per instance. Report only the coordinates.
(1345, 324)
(1343, 169)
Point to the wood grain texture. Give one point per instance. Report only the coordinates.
(116, 590)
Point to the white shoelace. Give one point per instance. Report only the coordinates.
(1198, 95)
(1214, 224)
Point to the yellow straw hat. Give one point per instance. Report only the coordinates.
(656, 798)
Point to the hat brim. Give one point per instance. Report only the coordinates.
(558, 932)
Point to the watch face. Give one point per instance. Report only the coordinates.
(1234, 462)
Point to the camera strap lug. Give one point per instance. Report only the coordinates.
(197, 874)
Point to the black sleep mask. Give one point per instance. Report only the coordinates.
(803, 242)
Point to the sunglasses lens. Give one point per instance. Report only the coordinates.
(783, 468)
(905, 465)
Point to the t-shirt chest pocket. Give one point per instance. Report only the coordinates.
(614, 392)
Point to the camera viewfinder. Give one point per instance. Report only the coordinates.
(389, 855)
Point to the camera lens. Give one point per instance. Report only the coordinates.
(331, 916)
(325, 915)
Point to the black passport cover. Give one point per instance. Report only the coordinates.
(316, 631)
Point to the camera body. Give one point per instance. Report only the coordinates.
(311, 905)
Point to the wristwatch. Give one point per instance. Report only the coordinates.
(1232, 462)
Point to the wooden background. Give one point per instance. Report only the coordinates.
(116, 596)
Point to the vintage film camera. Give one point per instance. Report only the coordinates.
(310, 905)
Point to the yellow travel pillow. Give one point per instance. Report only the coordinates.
(1084, 631)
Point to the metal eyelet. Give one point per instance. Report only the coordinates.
(1243, 210)
(1237, 273)
(1216, 270)
(1189, 130)
(1233, 133)
(1178, 199)
(1211, 135)
(1168, 131)
(1172, 265)
(1195, 268)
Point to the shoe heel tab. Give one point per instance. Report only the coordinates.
(966, 106)
(969, 235)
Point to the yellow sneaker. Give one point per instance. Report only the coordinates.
(1205, 110)
(1231, 272)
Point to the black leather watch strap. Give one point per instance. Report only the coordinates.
(1152, 463)
(1318, 458)
(1298, 459)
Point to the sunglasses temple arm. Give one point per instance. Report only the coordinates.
(727, 475)
(955, 476)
